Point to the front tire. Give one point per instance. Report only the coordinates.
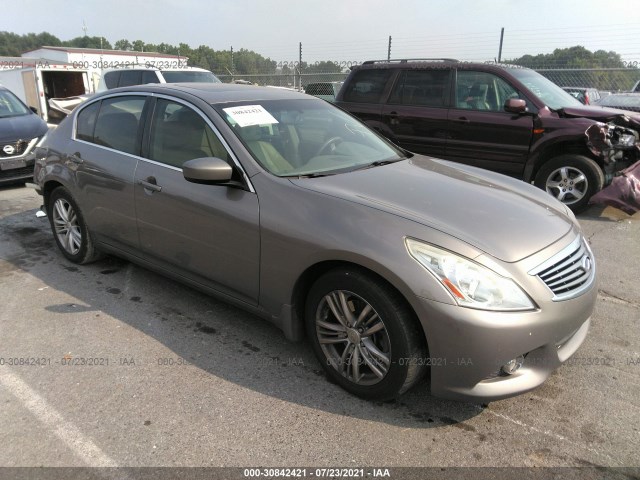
(69, 228)
(365, 336)
(572, 179)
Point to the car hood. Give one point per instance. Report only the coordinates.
(601, 114)
(22, 127)
(501, 216)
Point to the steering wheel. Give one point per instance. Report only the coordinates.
(326, 144)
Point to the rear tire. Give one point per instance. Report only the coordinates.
(571, 179)
(69, 228)
(365, 336)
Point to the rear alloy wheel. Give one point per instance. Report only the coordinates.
(366, 338)
(572, 179)
(69, 228)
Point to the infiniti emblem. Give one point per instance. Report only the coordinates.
(8, 149)
(586, 264)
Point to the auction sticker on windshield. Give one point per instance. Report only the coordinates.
(248, 115)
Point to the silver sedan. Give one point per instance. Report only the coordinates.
(394, 264)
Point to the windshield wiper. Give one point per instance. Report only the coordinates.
(377, 163)
(308, 175)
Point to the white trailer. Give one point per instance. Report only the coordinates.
(35, 81)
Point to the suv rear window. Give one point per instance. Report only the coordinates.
(367, 86)
(127, 78)
(111, 79)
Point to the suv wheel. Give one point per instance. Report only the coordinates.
(364, 335)
(69, 228)
(572, 179)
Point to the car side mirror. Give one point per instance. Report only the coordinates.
(515, 105)
(34, 110)
(208, 170)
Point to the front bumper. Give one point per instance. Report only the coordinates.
(15, 168)
(468, 347)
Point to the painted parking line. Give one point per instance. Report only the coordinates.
(68, 433)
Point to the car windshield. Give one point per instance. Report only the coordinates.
(551, 94)
(176, 76)
(10, 106)
(306, 137)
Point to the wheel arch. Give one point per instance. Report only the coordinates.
(49, 187)
(554, 150)
(305, 281)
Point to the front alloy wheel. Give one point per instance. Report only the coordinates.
(353, 337)
(364, 334)
(572, 179)
(567, 184)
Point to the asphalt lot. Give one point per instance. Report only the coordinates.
(176, 378)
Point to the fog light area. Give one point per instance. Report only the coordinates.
(512, 366)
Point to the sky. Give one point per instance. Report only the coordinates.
(345, 30)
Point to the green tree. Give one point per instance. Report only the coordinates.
(123, 45)
(324, 67)
(88, 42)
(137, 46)
(572, 57)
(13, 45)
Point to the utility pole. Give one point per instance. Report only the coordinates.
(500, 50)
(300, 67)
(389, 49)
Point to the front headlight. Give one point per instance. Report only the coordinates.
(471, 284)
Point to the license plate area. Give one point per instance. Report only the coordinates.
(13, 164)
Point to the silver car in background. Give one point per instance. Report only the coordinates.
(394, 264)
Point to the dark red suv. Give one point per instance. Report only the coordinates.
(504, 118)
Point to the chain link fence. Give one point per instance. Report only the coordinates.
(609, 79)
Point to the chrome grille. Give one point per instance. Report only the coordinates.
(569, 272)
(13, 149)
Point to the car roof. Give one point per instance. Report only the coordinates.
(215, 93)
(434, 63)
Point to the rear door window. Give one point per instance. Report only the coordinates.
(118, 122)
(367, 86)
(422, 87)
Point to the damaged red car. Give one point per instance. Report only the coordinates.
(503, 118)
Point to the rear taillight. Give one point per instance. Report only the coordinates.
(586, 99)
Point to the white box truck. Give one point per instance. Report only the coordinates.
(36, 81)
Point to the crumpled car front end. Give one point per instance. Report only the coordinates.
(617, 142)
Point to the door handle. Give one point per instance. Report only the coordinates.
(462, 120)
(150, 184)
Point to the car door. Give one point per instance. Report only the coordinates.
(105, 155)
(416, 112)
(480, 131)
(209, 234)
